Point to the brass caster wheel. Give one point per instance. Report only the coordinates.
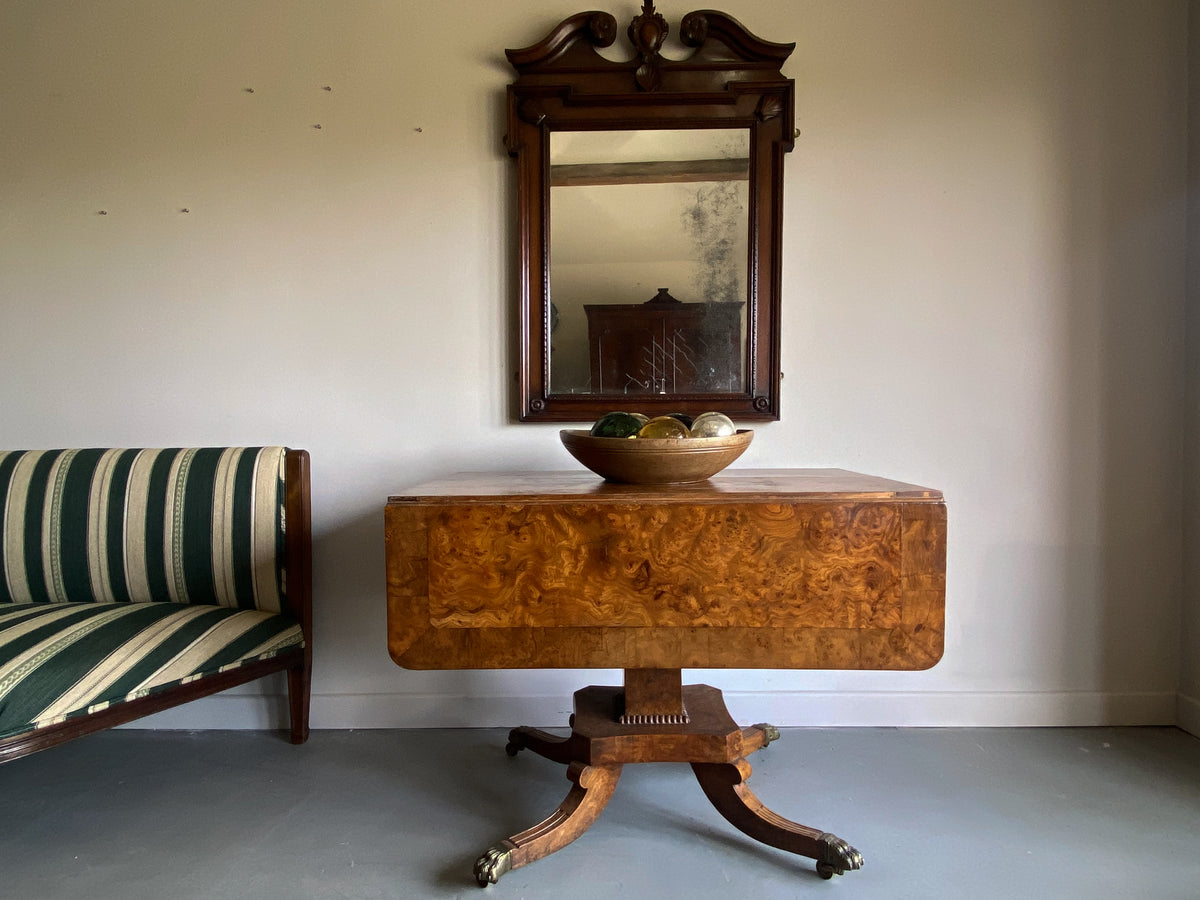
(512, 749)
(826, 870)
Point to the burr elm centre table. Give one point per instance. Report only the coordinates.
(767, 568)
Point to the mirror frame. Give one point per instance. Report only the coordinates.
(731, 80)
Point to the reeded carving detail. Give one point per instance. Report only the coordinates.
(670, 719)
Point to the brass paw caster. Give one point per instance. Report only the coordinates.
(837, 857)
(494, 863)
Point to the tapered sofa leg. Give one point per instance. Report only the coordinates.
(299, 679)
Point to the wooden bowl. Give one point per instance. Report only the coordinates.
(655, 460)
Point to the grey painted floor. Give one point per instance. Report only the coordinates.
(978, 813)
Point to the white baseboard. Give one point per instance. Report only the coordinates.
(784, 709)
(1188, 715)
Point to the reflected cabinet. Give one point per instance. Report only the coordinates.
(663, 346)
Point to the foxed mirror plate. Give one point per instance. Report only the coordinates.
(632, 212)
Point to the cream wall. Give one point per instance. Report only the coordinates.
(984, 291)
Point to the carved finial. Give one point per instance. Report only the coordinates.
(647, 33)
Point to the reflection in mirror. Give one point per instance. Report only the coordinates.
(648, 261)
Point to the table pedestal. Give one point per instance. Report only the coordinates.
(655, 718)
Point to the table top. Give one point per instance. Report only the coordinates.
(761, 485)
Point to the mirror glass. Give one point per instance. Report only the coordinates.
(649, 255)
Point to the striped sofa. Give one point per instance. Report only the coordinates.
(135, 580)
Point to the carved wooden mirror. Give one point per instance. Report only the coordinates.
(649, 196)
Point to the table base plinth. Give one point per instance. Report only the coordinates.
(600, 745)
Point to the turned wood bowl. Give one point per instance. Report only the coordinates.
(655, 460)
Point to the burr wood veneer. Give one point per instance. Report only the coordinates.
(781, 568)
(804, 568)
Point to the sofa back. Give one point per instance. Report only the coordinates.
(183, 525)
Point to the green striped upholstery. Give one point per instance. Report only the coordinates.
(185, 525)
(126, 572)
(59, 660)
